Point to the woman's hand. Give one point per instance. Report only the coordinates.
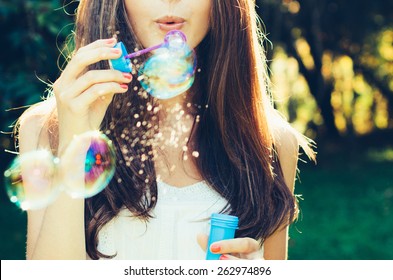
(233, 249)
(83, 96)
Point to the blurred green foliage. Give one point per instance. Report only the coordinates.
(33, 33)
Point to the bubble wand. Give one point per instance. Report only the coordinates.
(168, 72)
(124, 64)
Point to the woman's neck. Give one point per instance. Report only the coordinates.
(174, 144)
(170, 108)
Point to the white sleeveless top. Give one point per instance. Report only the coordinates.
(179, 215)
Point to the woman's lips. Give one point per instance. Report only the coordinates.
(170, 26)
(169, 23)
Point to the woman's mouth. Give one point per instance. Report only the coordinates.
(169, 23)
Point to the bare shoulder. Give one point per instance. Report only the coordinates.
(286, 142)
(32, 130)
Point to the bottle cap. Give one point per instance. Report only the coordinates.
(224, 220)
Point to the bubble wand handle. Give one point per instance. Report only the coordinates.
(123, 63)
(141, 52)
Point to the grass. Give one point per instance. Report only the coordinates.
(346, 210)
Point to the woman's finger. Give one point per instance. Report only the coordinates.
(82, 60)
(202, 240)
(98, 43)
(96, 77)
(104, 90)
(237, 245)
(227, 257)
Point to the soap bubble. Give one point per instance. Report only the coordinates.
(88, 164)
(170, 70)
(30, 180)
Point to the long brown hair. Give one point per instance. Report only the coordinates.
(234, 136)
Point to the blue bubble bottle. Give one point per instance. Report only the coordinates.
(222, 227)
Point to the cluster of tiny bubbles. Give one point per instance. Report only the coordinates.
(170, 70)
(29, 180)
(88, 164)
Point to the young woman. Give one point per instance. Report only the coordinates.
(219, 147)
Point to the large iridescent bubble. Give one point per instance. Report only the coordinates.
(88, 164)
(170, 70)
(30, 180)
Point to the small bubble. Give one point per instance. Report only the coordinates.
(136, 116)
(29, 180)
(185, 157)
(138, 124)
(119, 180)
(140, 171)
(135, 88)
(99, 165)
(185, 148)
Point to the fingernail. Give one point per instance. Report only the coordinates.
(224, 257)
(215, 248)
(128, 76)
(124, 86)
